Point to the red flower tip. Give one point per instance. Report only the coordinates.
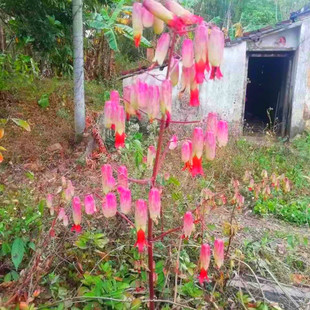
(137, 40)
(200, 71)
(127, 117)
(119, 140)
(194, 100)
(177, 24)
(52, 233)
(187, 166)
(141, 242)
(76, 228)
(203, 276)
(250, 189)
(216, 73)
(197, 166)
(168, 119)
(113, 126)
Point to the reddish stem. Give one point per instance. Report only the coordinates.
(143, 181)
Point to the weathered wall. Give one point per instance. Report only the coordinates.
(222, 96)
(301, 91)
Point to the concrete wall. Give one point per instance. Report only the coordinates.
(301, 87)
(222, 96)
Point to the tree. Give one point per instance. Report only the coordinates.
(78, 67)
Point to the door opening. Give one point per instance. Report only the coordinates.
(268, 93)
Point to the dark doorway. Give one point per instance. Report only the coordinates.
(267, 95)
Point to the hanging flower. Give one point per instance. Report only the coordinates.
(151, 154)
(188, 224)
(49, 204)
(251, 185)
(114, 96)
(110, 114)
(175, 71)
(122, 179)
(166, 99)
(204, 262)
(173, 143)
(210, 145)
(129, 109)
(109, 205)
(108, 181)
(62, 216)
(286, 185)
(186, 16)
(188, 77)
(137, 23)
(218, 253)
(147, 18)
(153, 105)
(222, 133)
(197, 151)
(154, 204)
(194, 95)
(162, 48)
(201, 52)
(186, 154)
(120, 128)
(187, 53)
(140, 223)
(212, 122)
(216, 51)
(89, 203)
(159, 11)
(125, 199)
(141, 89)
(76, 214)
(158, 26)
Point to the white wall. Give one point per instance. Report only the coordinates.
(301, 91)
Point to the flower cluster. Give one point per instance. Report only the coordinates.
(192, 151)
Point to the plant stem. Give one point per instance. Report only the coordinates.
(155, 172)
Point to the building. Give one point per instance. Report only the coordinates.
(267, 70)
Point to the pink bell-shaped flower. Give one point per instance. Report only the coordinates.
(218, 253)
(201, 52)
(125, 199)
(286, 185)
(210, 145)
(204, 262)
(194, 95)
(154, 204)
(120, 128)
(187, 53)
(188, 77)
(212, 122)
(186, 154)
(175, 71)
(147, 18)
(109, 205)
(197, 151)
(89, 203)
(62, 216)
(173, 143)
(151, 154)
(49, 204)
(108, 181)
(158, 26)
(114, 96)
(162, 48)
(216, 51)
(142, 92)
(166, 99)
(76, 214)
(188, 224)
(122, 176)
(186, 16)
(110, 114)
(137, 23)
(222, 133)
(153, 105)
(159, 11)
(140, 223)
(129, 109)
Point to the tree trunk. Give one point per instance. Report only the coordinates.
(78, 68)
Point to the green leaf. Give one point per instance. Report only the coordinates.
(21, 123)
(3, 121)
(30, 175)
(32, 246)
(43, 102)
(110, 36)
(7, 277)
(116, 11)
(18, 250)
(41, 206)
(129, 34)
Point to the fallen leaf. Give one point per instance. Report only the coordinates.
(1, 132)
